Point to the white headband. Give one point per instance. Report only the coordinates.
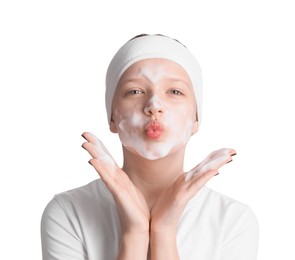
(152, 46)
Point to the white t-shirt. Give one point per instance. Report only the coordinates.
(83, 224)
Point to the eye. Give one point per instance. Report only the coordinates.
(176, 92)
(134, 92)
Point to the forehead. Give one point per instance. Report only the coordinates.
(155, 69)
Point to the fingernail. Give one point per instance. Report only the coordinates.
(217, 173)
(234, 154)
(83, 136)
(89, 162)
(229, 161)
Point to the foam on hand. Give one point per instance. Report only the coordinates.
(212, 162)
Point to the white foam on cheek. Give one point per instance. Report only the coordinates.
(131, 127)
(130, 121)
(181, 130)
(131, 131)
(177, 136)
(136, 119)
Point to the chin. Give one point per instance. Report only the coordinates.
(148, 155)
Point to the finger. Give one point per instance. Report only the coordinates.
(115, 179)
(105, 175)
(197, 182)
(212, 156)
(215, 164)
(213, 161)
(90, 137)
(209, 165)
(104, 171)
(98, 151)
(220, 152)
(91, 149)
(99, 154)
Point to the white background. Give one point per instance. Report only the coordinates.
(53, 59)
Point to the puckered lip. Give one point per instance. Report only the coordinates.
(154, 129)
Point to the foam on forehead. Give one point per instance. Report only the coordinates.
(152, 46)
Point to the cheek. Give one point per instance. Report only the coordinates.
(128, 121)
(180, 119)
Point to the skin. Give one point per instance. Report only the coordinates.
(151, 190)
(153, 89)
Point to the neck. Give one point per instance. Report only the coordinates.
(152, 177)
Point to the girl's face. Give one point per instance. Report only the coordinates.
(154, 108)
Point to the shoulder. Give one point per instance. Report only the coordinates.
(224, 201)
(70, 217)
(94, 191)
(222, 208)
(231, 211)
(221, 199)
(80, 199)
(239, 229)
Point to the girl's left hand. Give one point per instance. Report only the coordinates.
(166, 212)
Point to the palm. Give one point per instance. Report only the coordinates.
(168, 208)
(132, 207)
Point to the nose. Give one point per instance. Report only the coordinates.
(154, 106)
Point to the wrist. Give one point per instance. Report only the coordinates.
(133, 246)
(135, 231)
(163, 237)
(163, 245)
(162, 230)
(140, 240)
(135, 235)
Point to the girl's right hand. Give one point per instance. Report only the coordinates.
(132, 207)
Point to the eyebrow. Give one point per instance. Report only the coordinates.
(187, 83)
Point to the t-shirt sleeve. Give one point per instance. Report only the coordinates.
(58, 235)
(241, 235)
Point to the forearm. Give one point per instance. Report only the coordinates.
(163, 246)
(134, 246)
